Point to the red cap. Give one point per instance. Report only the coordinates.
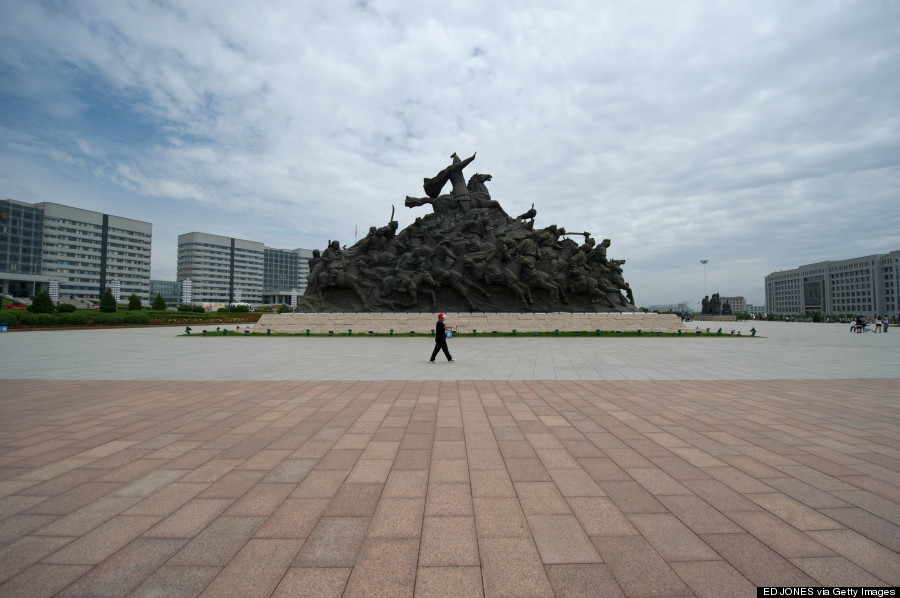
(440, 315)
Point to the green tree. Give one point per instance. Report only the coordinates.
(108, 303)
(159, 304)
(134, 302)
(42, 304)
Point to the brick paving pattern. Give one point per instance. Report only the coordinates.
(447, 488)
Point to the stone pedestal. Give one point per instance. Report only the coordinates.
(404, 323)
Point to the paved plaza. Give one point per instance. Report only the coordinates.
(137, 462)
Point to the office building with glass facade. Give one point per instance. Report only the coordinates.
(84, 252)
(286, 271)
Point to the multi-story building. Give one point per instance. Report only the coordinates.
(286, 271)
(737, 304)
(222, 270)
(756, 310)
(864, 285)
(84, 252)
(677, 308)
(170, 290)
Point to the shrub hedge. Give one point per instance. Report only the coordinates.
(8, 316)
(73, 320)
(136, 317)
(40, 320)
(108, 319)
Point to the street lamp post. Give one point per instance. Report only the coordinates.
(704, 262)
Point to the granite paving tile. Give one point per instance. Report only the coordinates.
(712, 579)
(599, 516)
(793, 512)
(62, 483)
(313, 583)
(334, 542)
(808, 495)
(561, 539)
(190, 519)
(448, 500)
(385, 567)
(125, 570)
(780, 536)
(287, 471)
(355, 500)
(631, 497)
(256, 570)
(408, 483)
(884, 532)
(512, 567)
(218, 542)
(211, 470)
(370, 471)
(440, 582)
(541, 498)
(575, 482)
(578, 580)
(699, 516)
(167, 499)
(448, 542)
(175, 582)
(261, 500)
(233, 484)
(27, 551)
(15, 526)
(101, 542)
(399, 517)
(673, 540)
(320, 484)
(42, 581)
(412, 459)
(449, 470)
(500, 517)
(756, 561)
(856, 548)
(71, 500)
(836, 571)
(638, 568)
(603, 469)
(527, 470)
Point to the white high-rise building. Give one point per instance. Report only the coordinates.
(221, 269)
(84, 252)
(859, 286)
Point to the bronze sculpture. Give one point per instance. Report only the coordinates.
(467, 255)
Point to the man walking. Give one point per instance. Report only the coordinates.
(440, 339)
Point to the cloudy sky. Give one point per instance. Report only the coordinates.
(761, 135)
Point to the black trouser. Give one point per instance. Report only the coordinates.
(440, 344)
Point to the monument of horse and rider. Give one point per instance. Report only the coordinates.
(467, 255)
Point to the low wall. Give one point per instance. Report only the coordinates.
(707, 318)
(403, 323)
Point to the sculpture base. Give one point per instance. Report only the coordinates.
(422, 323)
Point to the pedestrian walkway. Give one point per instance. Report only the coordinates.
(780, 351)
(138, 463)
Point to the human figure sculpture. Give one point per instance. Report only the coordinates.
(452, 173)
(469, 254)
